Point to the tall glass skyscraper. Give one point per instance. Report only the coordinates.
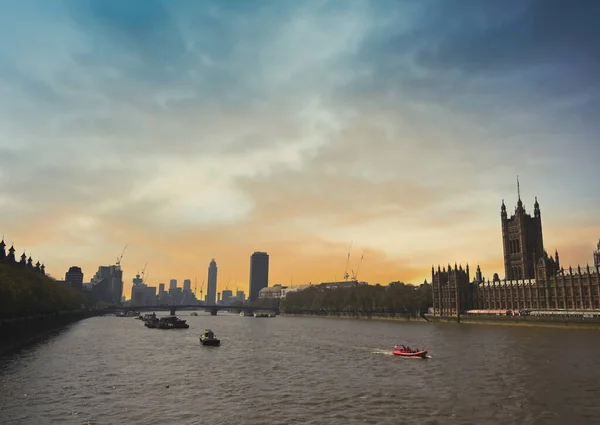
(259, 273)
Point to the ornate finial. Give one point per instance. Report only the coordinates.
(518, 188)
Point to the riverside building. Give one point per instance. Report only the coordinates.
(534, 283)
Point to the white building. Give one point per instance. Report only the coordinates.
(287, 289)
(271, 292)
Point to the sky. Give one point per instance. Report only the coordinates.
(196, 130)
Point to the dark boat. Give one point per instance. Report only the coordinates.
(208, 337)
(147, 317)
(408, 352)
(151, 322)
(171, 322)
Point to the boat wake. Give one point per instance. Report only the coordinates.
(384, 352)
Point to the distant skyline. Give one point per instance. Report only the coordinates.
(197, 130)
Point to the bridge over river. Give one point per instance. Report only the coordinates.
(213, 309)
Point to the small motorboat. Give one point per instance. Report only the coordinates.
(208, 337)
(193, 313)
(408, 352)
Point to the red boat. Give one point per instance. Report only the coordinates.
(407, 352)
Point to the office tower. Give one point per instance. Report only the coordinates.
(172, 285)
(240, 296)
(259, 273)
(187, 285)
(107, 284)
(227, 296)
(74, 278)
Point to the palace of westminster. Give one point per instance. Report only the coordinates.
(533, 280)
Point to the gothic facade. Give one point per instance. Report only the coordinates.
(533, 279)
(24, 261)
(522, 241)
(452, 290)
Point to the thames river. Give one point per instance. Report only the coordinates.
(290, 370)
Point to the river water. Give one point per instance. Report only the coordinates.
(291, 370)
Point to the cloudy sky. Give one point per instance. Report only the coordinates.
(191, 130)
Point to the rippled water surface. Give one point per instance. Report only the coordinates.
(286, 370)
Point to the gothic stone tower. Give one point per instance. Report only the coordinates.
(522, 240)
(596, 256)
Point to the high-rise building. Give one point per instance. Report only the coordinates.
(141, 294)
(226, 296)
(74, 278)
(259, 273)
(161, 289)
(172, 285)
(107, 284)
(187, 285)
(211, 291)
(240, 296)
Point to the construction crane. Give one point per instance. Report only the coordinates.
(355, 275)
(346, 275)
(201, 291)
(144, 272)
(121, 257)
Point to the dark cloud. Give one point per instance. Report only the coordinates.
(510, 53)
(546, 32)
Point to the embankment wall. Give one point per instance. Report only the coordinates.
(548, 321)
(17, 332)
(362, 316)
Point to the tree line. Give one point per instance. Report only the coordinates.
(396, 298)
(25, 292)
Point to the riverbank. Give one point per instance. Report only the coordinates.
(18, 332)
(548, 322)
(375, 316)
